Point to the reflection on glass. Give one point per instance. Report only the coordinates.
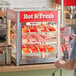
(39, 40)
(13, 38)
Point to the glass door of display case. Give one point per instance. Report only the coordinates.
(39, 40)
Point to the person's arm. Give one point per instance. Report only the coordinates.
(69, 65)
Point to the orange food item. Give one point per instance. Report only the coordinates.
(25, 49)
(34, 49)
(50, 28)
(45, 25)
(32, 29)
(41, 28)
(25, 29)
(50, 48)
(42, 48)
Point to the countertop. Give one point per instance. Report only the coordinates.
(26, 67)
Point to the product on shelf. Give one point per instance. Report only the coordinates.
(44, 37)
(25, 49)
(32, 29)
(38, 28)
(24, 38)
(50, 27)
(32, 37)
(25, 29)
(33, 48)
(50, 48)
(41, 37)
(35, 37)
(41, 28)
(42, 48)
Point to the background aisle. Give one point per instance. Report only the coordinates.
(29, 3)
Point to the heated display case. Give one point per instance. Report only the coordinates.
(34, 35)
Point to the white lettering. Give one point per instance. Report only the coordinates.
(36, 16)
(26, 16)
(46, 16)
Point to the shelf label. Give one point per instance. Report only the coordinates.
(38, 16)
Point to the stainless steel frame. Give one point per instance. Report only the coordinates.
(19, 37)
(62, 12)
(58, 34)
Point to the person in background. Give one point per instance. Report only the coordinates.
(71, 63)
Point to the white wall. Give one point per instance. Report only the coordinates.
(29, 3)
